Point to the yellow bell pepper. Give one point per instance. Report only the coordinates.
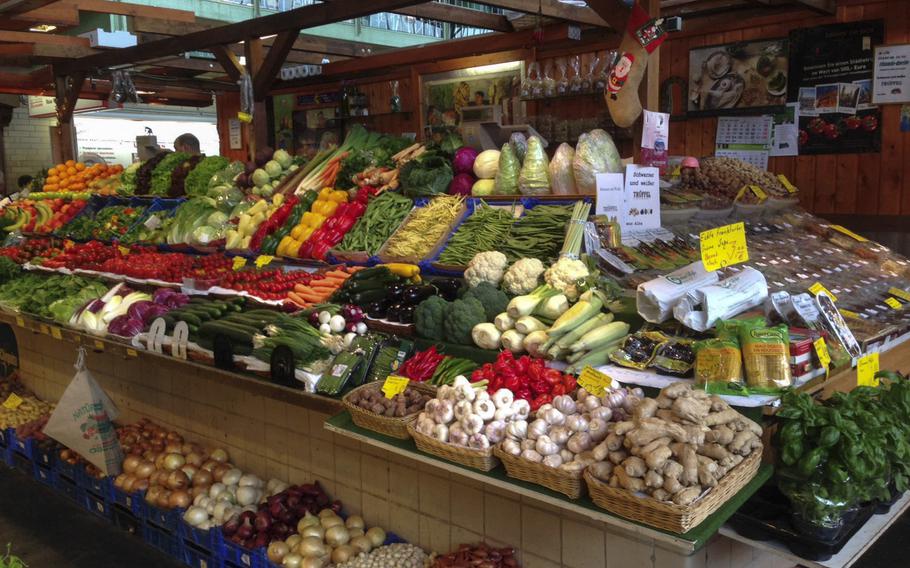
(307, 231)
(324, 208)
(312, 218)
(339, 196)
(325, 193)
(296, 231)
(282, 249)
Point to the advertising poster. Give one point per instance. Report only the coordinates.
(831, 73)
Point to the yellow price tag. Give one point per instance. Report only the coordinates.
(13, 402)
(849, 315)
(866, 367)
(594, 381)
(394, 385)
(56, 333)
(817, 288)
(124, 250)
(245, 117)
(43, 328)
(132, 352)
(786, 183)
(263, 260)
(894, 303)
(724, 246)
(849, 233)
(759, 192)
(99, 345)
(677, 171)
(239, 262)
(902, 294)
(20, 322)
(824, 358)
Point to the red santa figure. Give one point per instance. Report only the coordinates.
(619, 74)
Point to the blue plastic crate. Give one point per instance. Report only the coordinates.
(209, 540)
(236, 556)
(167, 542)
(66, 486)
(94, 503)
(198, 557)
(67, 470)
(132, 502)
(43, 456)
(21, 462)
(43, 474)
(125, 520)
(169, 520)
(6, 457)
(22, 447)
(4, 437)
(90, 483)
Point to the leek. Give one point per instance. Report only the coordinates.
(521, 306)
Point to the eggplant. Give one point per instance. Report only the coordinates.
(448, 288)
(377, 310)
(393, 313)
(406, 315)
(413, 295)
(395, 291)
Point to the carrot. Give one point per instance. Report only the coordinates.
(337, 274)
(296, 299)
(311, 297)
(324, 285)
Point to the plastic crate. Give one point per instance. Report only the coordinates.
(43, 474)
(67, 470)
(43, 456)
(67, 486)
(209, 540)
(168, 520)
(22, 447)
(132, 502)
(21, 462)
(165, 541)
(125, 520)
(236, 556)
(4, 437)
(94, 503)
(198, 557)
(89, 483)
(6, 457)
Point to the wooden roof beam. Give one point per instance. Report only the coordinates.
(296, 19)
(272, 62)
(60, 15)
(228, 61)
(551, 9)
(459, 15)
(10, 8)
(135, 10)
(614, 12)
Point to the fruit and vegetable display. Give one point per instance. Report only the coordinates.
(76, 177)
(107, 224)
(40, 216)
(478, 554)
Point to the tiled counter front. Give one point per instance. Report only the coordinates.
(421, 503)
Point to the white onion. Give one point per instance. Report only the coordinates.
(231, 477)
(337, 535)
(376, 536)
(216, 489)
(311, 547)
(292, 560)
(249, 480)
(247, 495)
(195, 516)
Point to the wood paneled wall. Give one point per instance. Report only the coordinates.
(868, 184)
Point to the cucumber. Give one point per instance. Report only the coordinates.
(271, 315)
(189, 318)
(370, 273)
(235, 332)
(246, 320)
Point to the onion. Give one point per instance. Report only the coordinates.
(202, 490)
(144, 470)
(355, 533)
(337, 535)
(311, 547)
(219, 455)
(312, 562)
(250, 480)
(215, 489)
(292, 560)
(163, 500)
(277, 551)
(118, 481)
(130, 464)
(193, 458)
(327, 513)
(354, 522)
(172, 448)
(209, 465)
(140, 485)
(232, 476)
(333, 521)
(189, 448)
(195, 516)
(178, 480)
(179, 499)
(314, 531)
(128, 483)
(173, 462)
(159, 460)
(362, 543)
(219, 471)
(293, 540)
(343, 553)
(203, 478)
(247, 495)
(376, 536)
(189, 470)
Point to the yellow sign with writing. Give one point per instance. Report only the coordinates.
(818, 288)
(824, 358)
(13, 402)
(263, 260)
(45, 329)
(132, 352)
(849, 233)
(866, 367)
(894, 303)
(239, 262)
(20, 322)
(759, 192)
(99, 345)
(724, 246)
(902, 294)
(594, 381)
(245, 117)
(849, 315)
(394, 385)
(56, 333)
(786, 183)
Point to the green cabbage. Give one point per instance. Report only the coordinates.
(507, 174)
(534, 178)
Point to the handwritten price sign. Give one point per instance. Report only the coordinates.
(724, 246)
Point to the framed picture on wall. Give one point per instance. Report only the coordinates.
(749, 77)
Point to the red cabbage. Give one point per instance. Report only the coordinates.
(156, 311)
(139, 310)
(95, 306)
(461, 184)
(463, 162)
(162, 294)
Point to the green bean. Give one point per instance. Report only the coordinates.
(485, 230)
(538, 234)
(383, 215)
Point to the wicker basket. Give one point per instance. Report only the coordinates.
(669, 516)
(564, 482)
(484, 460)
(396, 427)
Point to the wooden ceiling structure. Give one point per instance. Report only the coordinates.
(182, 59)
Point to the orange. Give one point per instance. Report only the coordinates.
(71, 170)
(60, 169)
(52, 179)
(70, 163)
(80, 166)
(51, 187)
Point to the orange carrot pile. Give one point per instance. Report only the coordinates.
(321, 287)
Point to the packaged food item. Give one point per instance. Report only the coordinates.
(655, 299)
(718, 362)
(766, 355)
(638, 350)
(562, 176)
(699, 309)
(675, 357)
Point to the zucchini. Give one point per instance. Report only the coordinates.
(189, 317)
(235, 332)
(271, 315)
(363, 285)
(370, 273)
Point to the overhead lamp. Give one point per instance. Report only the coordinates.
(44, 28)
(242, 60)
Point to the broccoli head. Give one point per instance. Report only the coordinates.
(460, 318)
(428, 318)
(493, 299)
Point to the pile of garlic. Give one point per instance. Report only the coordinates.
(563, 433)
(464, 416)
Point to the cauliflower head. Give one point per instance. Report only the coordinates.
(487, 266)
(564, 276)
(521, 278)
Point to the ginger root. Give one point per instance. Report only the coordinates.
(634, 466)
(687, 495)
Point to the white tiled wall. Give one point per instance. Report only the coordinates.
(421, 503)
(27, 143)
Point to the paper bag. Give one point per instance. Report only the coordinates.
(700, 309)
(84, 421)
(656, 298)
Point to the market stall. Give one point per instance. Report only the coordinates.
(474, 297)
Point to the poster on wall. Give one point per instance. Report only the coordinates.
(747, 77)
(891, 82)
(831, 72)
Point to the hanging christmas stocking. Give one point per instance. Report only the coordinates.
(643, 35)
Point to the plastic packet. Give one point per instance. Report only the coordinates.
(638, 350)
(587, 83)
(548, 82)
(562, 176)
(562, 77)
(719, 362)
(534, 178)
(595, 153)
(603, 75)
(531, 87)
(675, 357)
(766, 356)
(507, 175)
(576, 83)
